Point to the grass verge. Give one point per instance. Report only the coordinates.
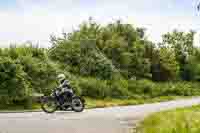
(96, 103)
(184, 120)
(99, 103)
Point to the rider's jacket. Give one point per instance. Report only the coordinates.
(65, 86)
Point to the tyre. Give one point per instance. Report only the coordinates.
(49, 105)
(66, 108)
(78, 104)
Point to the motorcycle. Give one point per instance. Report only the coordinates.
(50, 104)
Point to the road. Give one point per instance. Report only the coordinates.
(107, 120)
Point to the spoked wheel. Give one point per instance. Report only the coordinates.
(77, 104)
(49, 105)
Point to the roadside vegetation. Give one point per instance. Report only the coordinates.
(102, 103)
(91, 103)
(185, 120)
(115, 61)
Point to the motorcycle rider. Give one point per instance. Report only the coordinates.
(65, 89)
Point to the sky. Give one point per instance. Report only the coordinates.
(36, 20)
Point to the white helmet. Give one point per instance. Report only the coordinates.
(61, 77)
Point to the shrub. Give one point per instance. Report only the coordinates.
(119, 89)
(82, 60)
(95, 88)
(13, 81)
(146, 88)
(141, 87)
(41, 73)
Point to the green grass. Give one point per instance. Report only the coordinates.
(99, 103)
(19, 107)
(96, 103)
(185, 120)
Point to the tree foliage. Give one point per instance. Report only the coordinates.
(102, 61)
(14, 85)
(182, 44)
(96, 50)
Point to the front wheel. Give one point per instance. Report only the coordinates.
(78, 104)
(49, 105)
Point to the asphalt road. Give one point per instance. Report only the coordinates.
(107, 120)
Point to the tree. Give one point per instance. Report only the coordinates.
(95, 47)
(125, 46)
(166, 67)
(182, 45)
(192, 68)
(179, 41)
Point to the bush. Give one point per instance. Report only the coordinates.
(142, 88)
(13, 81)
(16, 52)
(41, 73)
(81, 60)
(119, 89)
(96, 88)
(149, 89)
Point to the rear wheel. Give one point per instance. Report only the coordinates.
(77, 104)
(49, 105)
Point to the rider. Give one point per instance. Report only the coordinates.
(66, 91)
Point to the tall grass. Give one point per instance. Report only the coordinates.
(175, 121)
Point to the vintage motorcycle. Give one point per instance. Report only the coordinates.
(50, 104)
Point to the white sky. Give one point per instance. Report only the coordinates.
(35, 20)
